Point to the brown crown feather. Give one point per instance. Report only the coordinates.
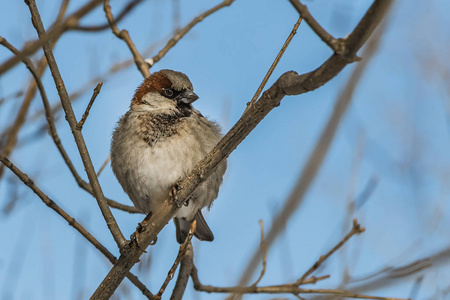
(154, 83)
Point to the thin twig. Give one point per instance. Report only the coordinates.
(72, 222)
(124, 12)
(142, 66)
(180, 255)
(277, 289)
(184, 274)
(180, 34)
(314, 279)
(88, 108)
(105, 163)
(264, 254)
(356, 229)
(337, 45)
(79, 139)
(275, 62)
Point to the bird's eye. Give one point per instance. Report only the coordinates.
(168, 93)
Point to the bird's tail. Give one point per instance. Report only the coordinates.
(202, 232)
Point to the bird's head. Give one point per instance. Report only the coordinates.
(164, 90)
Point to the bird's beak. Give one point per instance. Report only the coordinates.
(187, 97)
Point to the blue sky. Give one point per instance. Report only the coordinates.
(398, 122)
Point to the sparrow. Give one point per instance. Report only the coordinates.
(158, 142)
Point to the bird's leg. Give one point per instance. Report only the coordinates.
(173, 193)
(139, 229)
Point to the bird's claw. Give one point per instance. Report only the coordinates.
(173, 193)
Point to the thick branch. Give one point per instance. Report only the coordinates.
(79, 139)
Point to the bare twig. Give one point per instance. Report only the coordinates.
(124, 12)
(79, 139)
(180, 34)
(142, 66)
(180, 255)
(277, 289)
(356, 229)
(264, 254)
(275, 62)
(337, 45)
(290, 83)
(105, 163)
(88, 108)
(50, 203)
(314, 280)
(368, 190)
(184, 274)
